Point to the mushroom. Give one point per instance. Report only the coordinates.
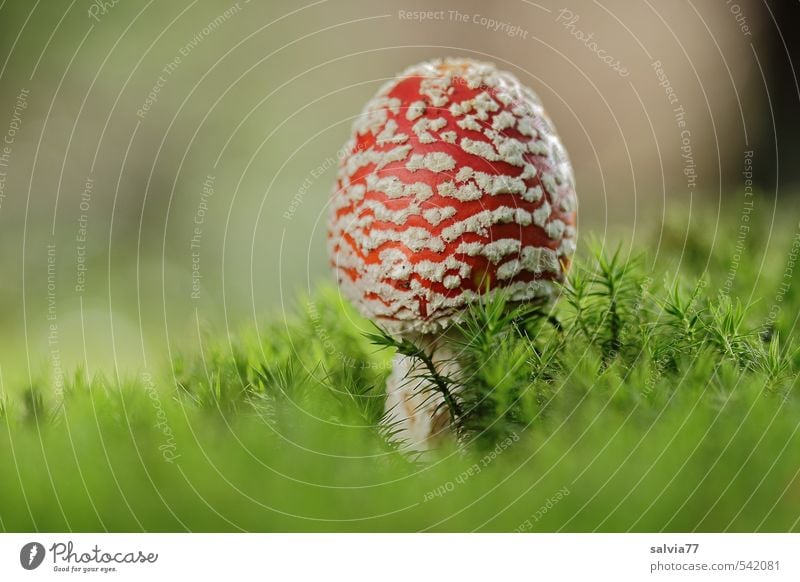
(454, 184)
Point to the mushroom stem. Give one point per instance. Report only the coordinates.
(419, 402)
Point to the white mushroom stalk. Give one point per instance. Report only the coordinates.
(419, 409)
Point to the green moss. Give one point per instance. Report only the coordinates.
(646, 399)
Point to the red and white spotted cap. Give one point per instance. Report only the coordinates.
(455, 184)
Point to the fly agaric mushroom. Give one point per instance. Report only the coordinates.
(454, 185)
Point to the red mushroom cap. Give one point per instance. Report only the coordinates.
(455, 184)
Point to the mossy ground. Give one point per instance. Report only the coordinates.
(659, 394)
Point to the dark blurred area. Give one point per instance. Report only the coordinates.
(169, 164)
(779, 137)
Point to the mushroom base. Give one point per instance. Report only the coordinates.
(414, 408)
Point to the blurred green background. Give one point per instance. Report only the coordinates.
(151, 102)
